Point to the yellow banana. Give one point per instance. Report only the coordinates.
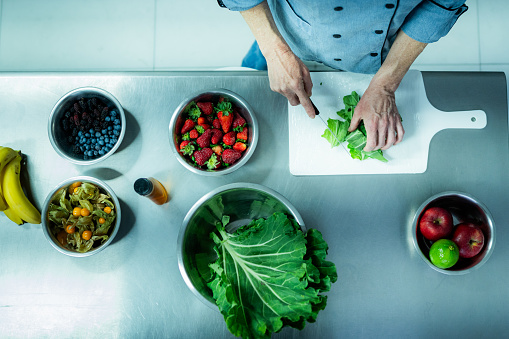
(6, 155)
(8, 211)
(14, 195)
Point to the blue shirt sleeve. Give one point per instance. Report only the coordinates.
(431, 20)
(240, 5)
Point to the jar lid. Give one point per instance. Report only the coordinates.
(143, 186)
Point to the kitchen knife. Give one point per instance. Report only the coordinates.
(317, 113)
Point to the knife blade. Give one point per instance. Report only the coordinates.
(317, 113)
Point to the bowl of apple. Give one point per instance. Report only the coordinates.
(453, 232)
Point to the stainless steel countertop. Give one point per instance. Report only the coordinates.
(133, 289)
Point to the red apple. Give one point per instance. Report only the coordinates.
(436, 223)
(469, 239)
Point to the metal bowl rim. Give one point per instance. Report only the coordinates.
(67, 182)
(489, 246)
(57, 107)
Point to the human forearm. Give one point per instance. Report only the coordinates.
(264, 29)
(402, 54)
(287, 73)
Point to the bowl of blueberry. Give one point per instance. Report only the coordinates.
(86, 125)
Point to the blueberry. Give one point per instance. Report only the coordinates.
(89, 153)
(87, 135)
(116, 132)
(106, 140)
(110, 128)
(101, 152)
(113, 113)
(117, 127)
(97, 147)
(92, 141)
(97, 134)
(91, 131)
(104, 131)
(85, 157)
(101, 142)
(95, 152)
(117, 121)
(80, 133)
(107, 119)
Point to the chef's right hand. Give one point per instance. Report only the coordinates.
(290, 77)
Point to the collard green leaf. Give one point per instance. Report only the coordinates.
(264, 274)
(357, 139)
(339, 130)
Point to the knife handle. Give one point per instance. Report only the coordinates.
(316, 109)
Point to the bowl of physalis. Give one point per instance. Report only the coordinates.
(81, 216)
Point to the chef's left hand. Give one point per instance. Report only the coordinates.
(377, 109)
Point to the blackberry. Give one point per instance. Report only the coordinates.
(94, 102)
(74, 132)
(65, 125)
(104, 125)
(84, 115)
(76, 149)
(82, 128)
(76, 119)
(97, 113)
(67, 114)
(82, 104)
(77, 107)
(96, 123)
(72, 110)
(70, 139)
(104, 114)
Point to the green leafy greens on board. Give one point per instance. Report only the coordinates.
(357, 139)
(268, 275)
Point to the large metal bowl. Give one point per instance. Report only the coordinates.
(464, 208)
(244, 109)
(56, 133)
(46, 222)
(243, 202)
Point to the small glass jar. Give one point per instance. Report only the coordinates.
(152, 189)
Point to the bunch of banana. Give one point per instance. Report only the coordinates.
(13, 201)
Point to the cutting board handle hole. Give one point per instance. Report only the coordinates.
(473, 119)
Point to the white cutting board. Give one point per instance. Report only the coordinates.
(310, 154)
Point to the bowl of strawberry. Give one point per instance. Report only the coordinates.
(213, 132)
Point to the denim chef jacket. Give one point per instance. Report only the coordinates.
(355, 35)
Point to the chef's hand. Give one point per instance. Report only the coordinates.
(289, 76)
(377, 109)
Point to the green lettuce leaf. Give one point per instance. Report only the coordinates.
(338, 129)
(268, 275)
(357, 139)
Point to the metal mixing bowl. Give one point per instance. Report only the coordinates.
(56, 133)
(244, 109)
(464, 208)
(243, 202)
(104, 188)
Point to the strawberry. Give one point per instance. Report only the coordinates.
(202, 156)
(186, 147)
(217, 135)
(210, 118)
(217, 149)
(240, 146)
(238, 121)
(230, 156)
(205, 107)
(201, 121)
(225, 119)
(188, 125)
(193, 134)
(243, 134)
(216, 124)
(205, 126)
(204, 139)
(229, 138)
